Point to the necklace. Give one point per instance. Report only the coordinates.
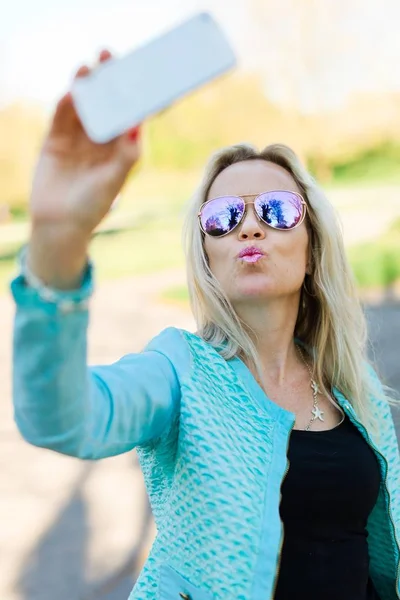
(316, 412)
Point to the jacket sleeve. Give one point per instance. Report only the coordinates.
(87, 412)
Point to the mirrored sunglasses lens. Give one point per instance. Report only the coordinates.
(281, 210)
(221, 215)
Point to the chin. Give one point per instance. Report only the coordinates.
(253, 290)
(255, 283)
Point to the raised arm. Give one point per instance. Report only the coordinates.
(59, 402)
(94, 412)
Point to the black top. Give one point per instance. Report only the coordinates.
(328, 493)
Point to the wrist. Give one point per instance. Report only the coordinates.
(58, 257)
(61, 300)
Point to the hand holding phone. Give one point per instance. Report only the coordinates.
(75, 184)
(123, 92)
(91, 146)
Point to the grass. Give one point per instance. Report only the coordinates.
(149, 249)
(374, 265)
(365, 179)
(377, 264)
(374, 165)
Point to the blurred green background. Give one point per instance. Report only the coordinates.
(350, 142)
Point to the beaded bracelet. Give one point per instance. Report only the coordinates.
(67, 300)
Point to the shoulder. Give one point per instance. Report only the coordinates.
(382, 400)
(185, 350)
(172, 343)
(376, 387)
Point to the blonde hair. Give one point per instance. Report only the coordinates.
(330, 321)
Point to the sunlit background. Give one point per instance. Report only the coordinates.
(320, 75)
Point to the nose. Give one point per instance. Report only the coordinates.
(251, 227)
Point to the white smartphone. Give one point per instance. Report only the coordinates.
(121, 93)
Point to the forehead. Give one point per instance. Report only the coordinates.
(252, 177)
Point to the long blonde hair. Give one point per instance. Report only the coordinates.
(330, 320)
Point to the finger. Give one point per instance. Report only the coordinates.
(104, 55)
(83, 71)
(65, 117)
(130, 145)
(133, 135)
(64, 103)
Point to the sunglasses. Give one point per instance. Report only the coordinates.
(281, 209)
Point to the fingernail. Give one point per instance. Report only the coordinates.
(133, 134)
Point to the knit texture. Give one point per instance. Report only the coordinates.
(206, 518)
(384, 521)
(207, 480)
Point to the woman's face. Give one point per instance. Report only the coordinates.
(280, 272)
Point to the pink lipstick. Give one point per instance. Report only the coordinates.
(251, 254)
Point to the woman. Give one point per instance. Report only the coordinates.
(275, 375)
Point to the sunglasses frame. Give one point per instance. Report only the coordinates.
(255, 196)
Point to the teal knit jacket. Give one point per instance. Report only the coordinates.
(212, 446)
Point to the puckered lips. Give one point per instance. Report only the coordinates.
(251, 254)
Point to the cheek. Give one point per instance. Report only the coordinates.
(294, 249)
(214, 252)
(289, 253)
(218, 253)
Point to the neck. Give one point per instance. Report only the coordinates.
(272, 327)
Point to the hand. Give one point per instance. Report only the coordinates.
(74, 186)
(77, 180)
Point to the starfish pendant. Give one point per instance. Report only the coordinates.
(314, 387)
(318, 414)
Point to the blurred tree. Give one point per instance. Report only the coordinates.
(309, 51)
(227, 111)
(316, 59)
